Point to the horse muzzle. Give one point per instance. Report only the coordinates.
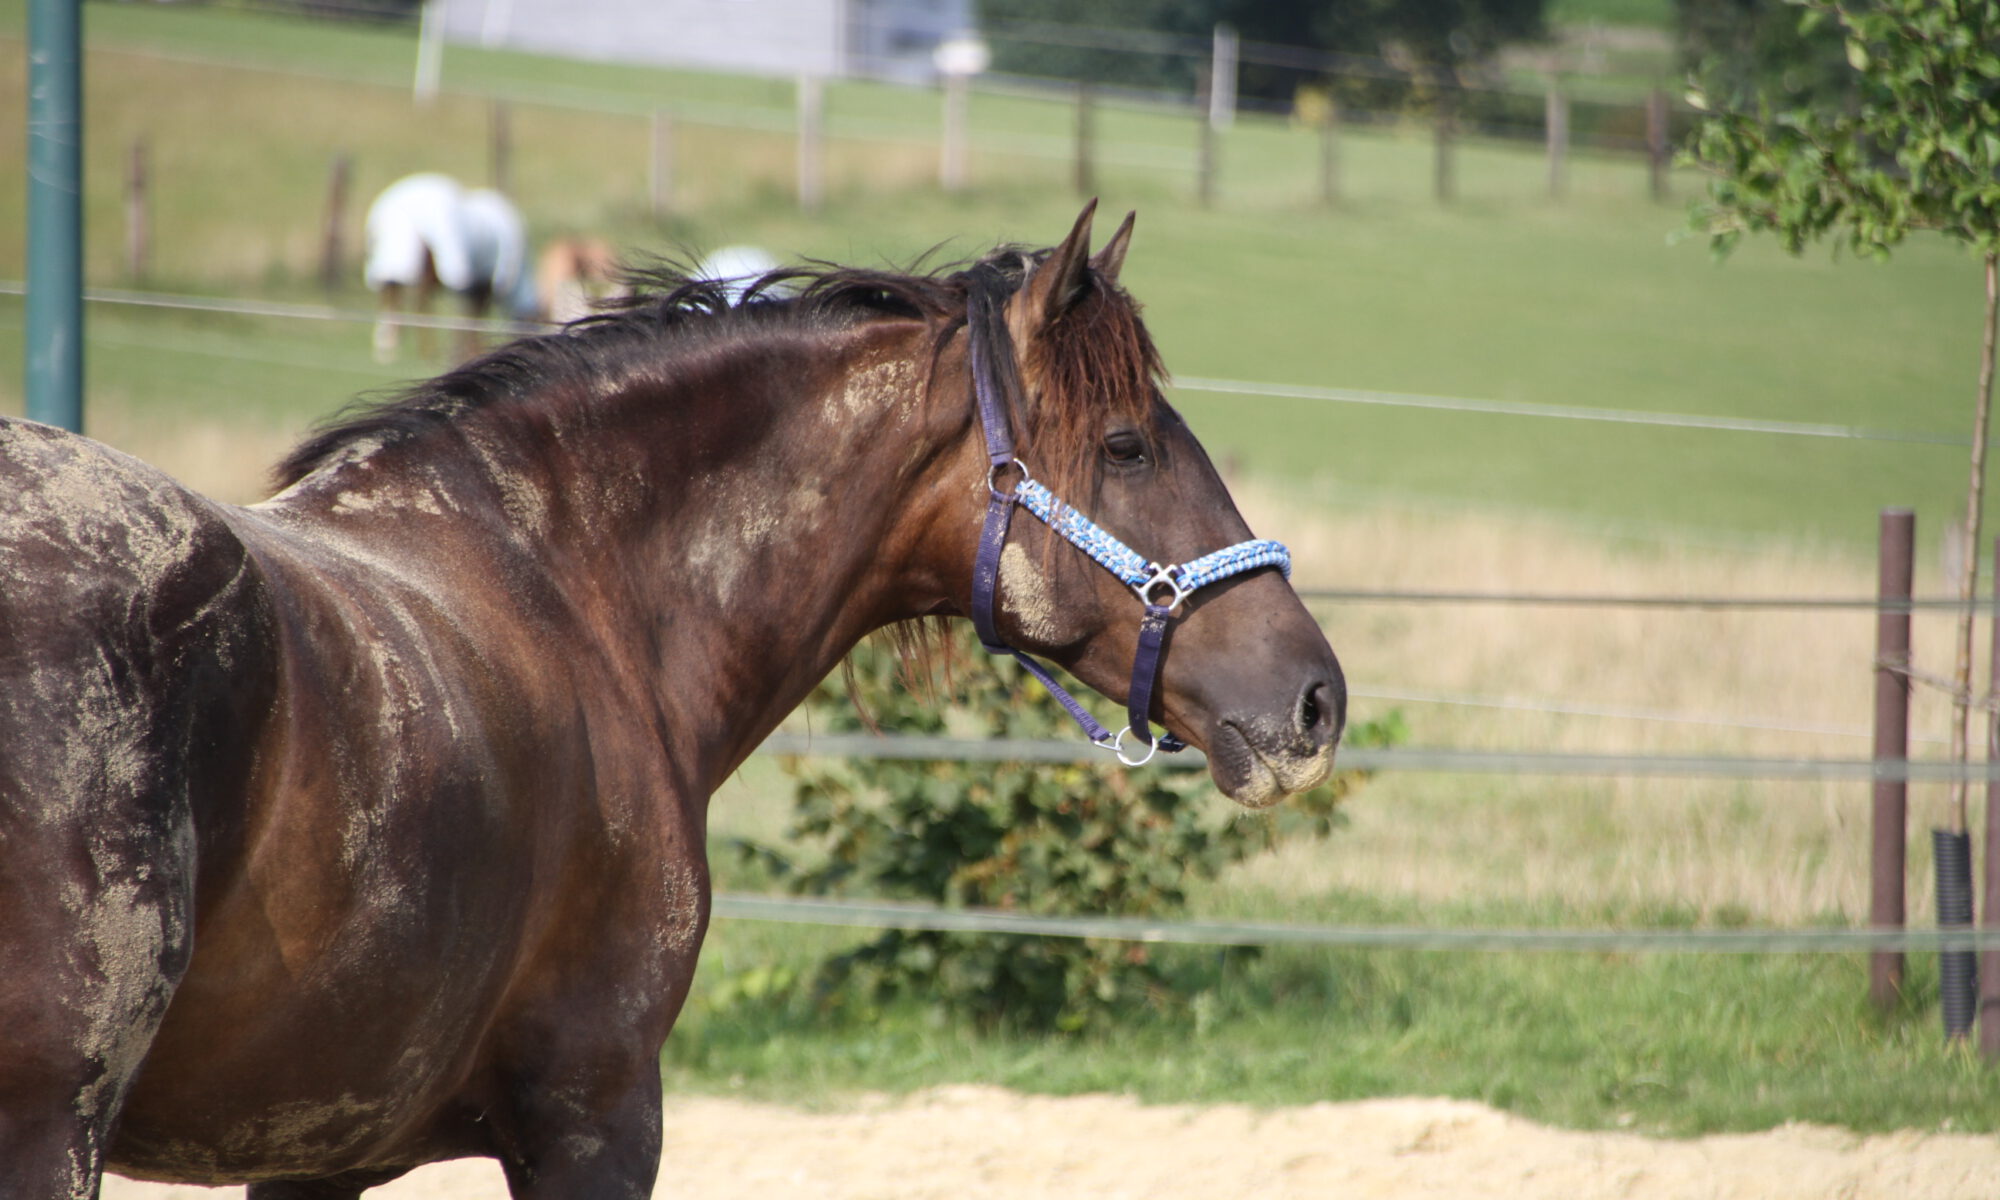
(1259, 758)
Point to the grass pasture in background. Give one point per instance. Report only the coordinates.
(1502, 296)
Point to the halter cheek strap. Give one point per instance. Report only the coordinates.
(1147, 578)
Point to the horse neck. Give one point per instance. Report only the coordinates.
(754, 520)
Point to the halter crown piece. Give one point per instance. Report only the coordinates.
(1160, 588)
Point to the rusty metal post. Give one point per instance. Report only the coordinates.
(1892, 743)
(1989, 912)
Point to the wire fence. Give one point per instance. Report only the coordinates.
(1715, 422)
(281, 310)
(875, 914)
(1436, 760)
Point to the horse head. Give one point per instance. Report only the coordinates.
(1137, 573)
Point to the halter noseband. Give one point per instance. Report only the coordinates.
(992, 387)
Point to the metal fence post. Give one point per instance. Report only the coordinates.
(1989, 911)
(1896, 566)
(54, 322)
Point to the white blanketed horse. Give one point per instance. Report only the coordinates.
(426, 231)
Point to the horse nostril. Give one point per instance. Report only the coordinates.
(1320, 709)
(1309, 709)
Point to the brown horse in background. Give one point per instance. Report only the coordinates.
(364, 827)
(574, 277)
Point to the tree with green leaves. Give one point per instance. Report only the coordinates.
(1036, 838)
(1918, 150)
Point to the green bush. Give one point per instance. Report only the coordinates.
(1032, 838)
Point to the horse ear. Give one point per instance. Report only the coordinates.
(1110, 260)
(1058, 282)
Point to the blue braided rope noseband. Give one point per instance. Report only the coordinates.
(993, 383)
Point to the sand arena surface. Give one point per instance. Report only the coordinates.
(980, 1143)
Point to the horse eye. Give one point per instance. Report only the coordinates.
(1124, 446)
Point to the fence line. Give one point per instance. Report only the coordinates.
(888, 915)
(1614, 600)
(1616, 712)
(899, 747)
(1565, 412)
(285, 310)
(321, 312)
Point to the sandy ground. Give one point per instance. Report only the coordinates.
(977, 1143)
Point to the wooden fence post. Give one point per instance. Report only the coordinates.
(332, 246)
(1204, 160)
(952, 155)
(1444, 182)
(501, 161)
(138, 231)
(1556, 123)
(1329, 155)
(1086, 136)
(1656, 142)
(1895, 568)
(661, 179)
(812, 108)
(1222, 76)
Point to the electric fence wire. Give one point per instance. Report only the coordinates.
(863, 914)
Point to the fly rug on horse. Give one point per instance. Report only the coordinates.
(364, 827)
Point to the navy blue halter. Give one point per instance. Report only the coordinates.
(1160, 588)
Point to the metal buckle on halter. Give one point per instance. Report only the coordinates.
(993, 476)
(1116, 744)
(1167, 576)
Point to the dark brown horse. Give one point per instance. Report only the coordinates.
(363, 827)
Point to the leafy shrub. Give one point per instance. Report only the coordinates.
(1027, 837)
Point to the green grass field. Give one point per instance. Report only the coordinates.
(1504, 295)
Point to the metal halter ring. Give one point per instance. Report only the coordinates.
(1117, 746)
(993, 475)
(1163, 576)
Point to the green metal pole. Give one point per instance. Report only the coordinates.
(55, 213)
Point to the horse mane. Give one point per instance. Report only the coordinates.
(1093, 361)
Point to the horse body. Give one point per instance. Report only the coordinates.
(364, 827)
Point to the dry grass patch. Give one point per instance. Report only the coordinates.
(1724, 683)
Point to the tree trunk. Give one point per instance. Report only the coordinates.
(1961, 707)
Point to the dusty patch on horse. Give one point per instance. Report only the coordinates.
(887, 386)
(1025, 592)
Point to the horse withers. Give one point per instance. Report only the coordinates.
(364, 827)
